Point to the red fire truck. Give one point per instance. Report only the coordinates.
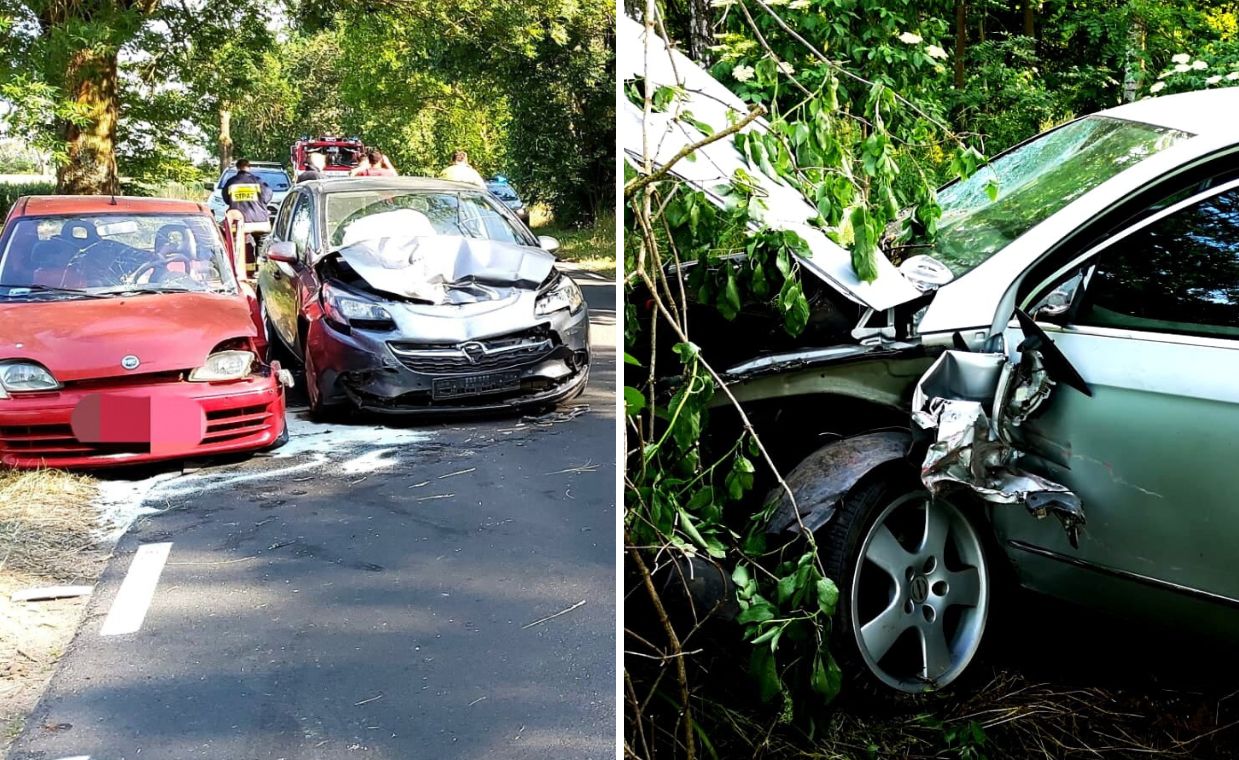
(343, 153)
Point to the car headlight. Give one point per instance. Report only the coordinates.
(224, 365)
(347, 309)
(19, 377)
(563, 294)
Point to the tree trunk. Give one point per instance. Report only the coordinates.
(1030, 19)
(90, 148)
(961, 40)
(699, 31)
(225, 139)
(1133, 73)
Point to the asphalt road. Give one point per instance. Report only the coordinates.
(370, 591)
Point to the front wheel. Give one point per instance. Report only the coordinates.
(915, 587)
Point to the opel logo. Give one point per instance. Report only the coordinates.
(130, 362)
(473, 351)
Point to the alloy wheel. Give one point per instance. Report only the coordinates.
(920, 594)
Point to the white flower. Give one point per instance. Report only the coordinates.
(1182, 67)
(1199, 65)
(787, 68)
(933, 51)
(722, 3)
(742, 73)
(910, 38)
(1157, 87)
(1214, 79)
(1180, 58)
(1232, 76)
(798, 5)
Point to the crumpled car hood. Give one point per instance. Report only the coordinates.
(86, 339)
(447, 270)
(710, 102)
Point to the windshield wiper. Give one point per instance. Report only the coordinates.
(135, 289)
(16, 291)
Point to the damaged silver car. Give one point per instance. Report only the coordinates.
(404, 295)
(1046, 394)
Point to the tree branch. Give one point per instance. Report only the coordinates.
(640, 182)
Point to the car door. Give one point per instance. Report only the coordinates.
(1153, 328)
(279, 280)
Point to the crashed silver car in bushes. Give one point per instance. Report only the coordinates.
(1047, 394)
(412, 295)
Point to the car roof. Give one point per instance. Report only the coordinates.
(47, 205)
(356, 184)
(1201, 112)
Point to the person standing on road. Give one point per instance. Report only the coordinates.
(460, 171)
(377, 165)
(374, 159)
(315, 169)
(246, 194)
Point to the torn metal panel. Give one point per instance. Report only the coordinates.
(826, 475)
(955, 400)
(440, 270)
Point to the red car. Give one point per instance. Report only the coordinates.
(125, 337)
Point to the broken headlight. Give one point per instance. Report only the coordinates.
(346, 309)
(18, 377)
(224, 365)
(563, 294)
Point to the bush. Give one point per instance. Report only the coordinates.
(9, 193)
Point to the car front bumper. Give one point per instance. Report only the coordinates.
(245, 415)
(374, 371)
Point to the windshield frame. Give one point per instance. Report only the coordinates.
(228, 286)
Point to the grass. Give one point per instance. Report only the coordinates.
(590, 248)
(46, 522)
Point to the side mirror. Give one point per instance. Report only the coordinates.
(1058, 302)
(284, 251)
(548, 243)
(208, 184)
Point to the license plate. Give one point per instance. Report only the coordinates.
(163, 425)
(475, 385)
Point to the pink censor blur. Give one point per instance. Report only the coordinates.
(171, 425)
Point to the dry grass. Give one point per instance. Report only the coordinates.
(47, 536)
(46, 523)
(1011, 716)
(591, 248)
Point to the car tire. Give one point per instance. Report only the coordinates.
(914, 578)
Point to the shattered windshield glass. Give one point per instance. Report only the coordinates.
(115, 253)
(1035, 181)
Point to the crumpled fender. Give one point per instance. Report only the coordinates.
(828, 474)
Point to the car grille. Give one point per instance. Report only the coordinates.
(514, 350)
(52, 442)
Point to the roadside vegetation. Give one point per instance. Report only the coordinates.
(47, 537)
(591, 248)
(525, 87)
(872, 105)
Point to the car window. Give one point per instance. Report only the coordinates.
(1036, 180)
(116, 252)
(376, 214)
(281, 221)
(1178, 275)
(299, 225)
(275, 178)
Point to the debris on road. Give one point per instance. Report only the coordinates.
(50, 593)
(552, 617)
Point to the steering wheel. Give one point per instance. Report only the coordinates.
(108, 262)
(152, 266)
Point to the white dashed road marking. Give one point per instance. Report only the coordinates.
(129, 608)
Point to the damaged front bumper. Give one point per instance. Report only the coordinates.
(394, 372)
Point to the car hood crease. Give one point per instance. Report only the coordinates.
(447, 270)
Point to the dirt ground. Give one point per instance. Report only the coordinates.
(47, 537)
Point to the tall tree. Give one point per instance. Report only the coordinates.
(80, 43)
